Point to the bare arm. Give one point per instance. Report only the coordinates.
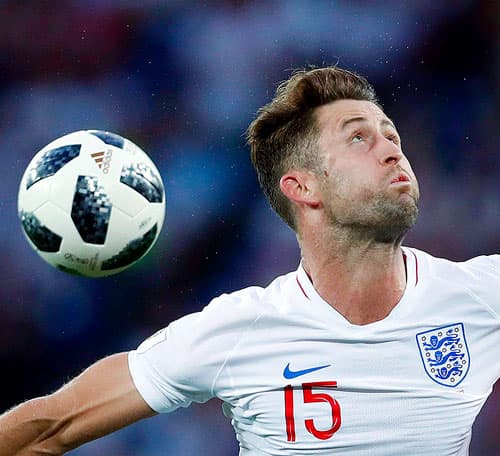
(99, 401)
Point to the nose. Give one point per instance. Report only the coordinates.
(389, 153)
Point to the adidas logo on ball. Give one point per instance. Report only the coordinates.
(103, 160)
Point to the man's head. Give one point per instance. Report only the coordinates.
(295, 134)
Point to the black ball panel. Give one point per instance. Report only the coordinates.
(109, 138)
(44, 239)
(50, 162)
(144, 180)
(133, 251)
(91, 210)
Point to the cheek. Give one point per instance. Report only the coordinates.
(353, 179)
(351, 188)
(361, 180)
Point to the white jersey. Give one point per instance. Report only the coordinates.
(297, 378)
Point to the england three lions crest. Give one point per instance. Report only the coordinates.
(445, 354)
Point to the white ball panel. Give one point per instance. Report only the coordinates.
(56, 220)
(32, 198)
(127, 199)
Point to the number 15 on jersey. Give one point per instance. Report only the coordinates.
(310, 394)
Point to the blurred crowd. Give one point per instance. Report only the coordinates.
(182, 79)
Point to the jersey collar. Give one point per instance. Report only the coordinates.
(308, 291)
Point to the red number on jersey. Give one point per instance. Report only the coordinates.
(310, 396)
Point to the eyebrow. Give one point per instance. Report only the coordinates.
(345, 123)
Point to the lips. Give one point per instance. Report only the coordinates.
(400, 178)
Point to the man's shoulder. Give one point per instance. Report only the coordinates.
(478, 277)
(253, 300)
(438, 265)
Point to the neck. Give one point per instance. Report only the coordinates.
(362, 281)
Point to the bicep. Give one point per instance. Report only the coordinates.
(102, 399)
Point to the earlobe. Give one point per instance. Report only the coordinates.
(300, 187)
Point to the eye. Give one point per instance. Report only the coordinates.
(358, 137)
(393, 138)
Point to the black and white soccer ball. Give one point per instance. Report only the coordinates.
(91, 203)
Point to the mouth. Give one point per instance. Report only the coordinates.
(400, 178)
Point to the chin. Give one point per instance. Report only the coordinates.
(396, 224)
(392, 219)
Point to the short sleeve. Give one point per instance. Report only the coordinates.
(181, 363)
(177, 365)
(486, 283)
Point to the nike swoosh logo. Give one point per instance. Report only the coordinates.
(289, 374)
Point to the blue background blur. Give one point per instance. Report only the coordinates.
(183, 79)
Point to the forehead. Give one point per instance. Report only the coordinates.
(333, 115)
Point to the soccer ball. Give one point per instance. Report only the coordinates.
(91, 203)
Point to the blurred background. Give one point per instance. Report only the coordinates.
(183, 79)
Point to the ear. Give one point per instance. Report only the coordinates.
(301, 187)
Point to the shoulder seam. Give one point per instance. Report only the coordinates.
(476, 297)
(229, 355)
(489, 309)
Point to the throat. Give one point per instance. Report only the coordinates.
(363, 294)
(365, 308)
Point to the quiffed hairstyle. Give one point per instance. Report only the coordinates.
(283, 135)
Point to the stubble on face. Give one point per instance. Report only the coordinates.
(369, 215)
(369, 191)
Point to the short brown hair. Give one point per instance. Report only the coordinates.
(283, 135)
